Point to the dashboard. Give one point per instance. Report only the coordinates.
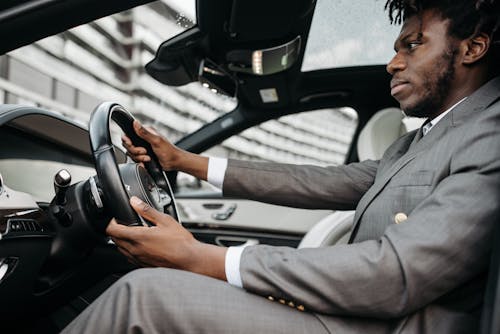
(25, 243)
(19, 213)
(43, 263)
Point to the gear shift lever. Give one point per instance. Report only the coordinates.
(62, 180)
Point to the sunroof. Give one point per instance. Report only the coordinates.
(349, 33)
(185, 9)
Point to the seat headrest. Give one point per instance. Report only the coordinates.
(379, 133)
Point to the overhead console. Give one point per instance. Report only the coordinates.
(233, 42)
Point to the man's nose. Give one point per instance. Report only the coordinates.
(397, 63)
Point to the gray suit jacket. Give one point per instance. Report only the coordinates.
(426, 274)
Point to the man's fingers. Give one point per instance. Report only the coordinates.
(146, 211)
(132, 259)
(122, 232)
(137, 153)
(139, 158)
(126, 141)
(135, 150)
(116, 230)
(148, 134)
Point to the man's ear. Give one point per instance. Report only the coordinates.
(475, 48)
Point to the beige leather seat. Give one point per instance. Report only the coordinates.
(379, 133)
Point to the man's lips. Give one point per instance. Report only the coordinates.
(397, 85)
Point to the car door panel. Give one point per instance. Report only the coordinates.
(230, 221)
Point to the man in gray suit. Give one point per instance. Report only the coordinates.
(425, 213)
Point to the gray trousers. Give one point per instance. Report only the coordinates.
(170, 301)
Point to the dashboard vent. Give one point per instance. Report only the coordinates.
(23, 225)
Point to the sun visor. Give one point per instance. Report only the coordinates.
(177, 60)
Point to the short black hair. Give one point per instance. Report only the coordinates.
(467, 17)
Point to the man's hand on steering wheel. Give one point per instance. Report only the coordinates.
(166, 244)
(169, 156)
(137, 196)
(166, 152)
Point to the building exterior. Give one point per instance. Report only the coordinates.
(72, 72)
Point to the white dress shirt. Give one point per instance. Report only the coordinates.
(215, 176)
(427, 127)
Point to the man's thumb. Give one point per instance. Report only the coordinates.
(145, 210)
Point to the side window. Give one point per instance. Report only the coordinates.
(321, 137)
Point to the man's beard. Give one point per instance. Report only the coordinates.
(437, 87)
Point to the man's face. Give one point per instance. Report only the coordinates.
(423, 68)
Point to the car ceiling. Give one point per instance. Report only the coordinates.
(229, 25)
(25, 21)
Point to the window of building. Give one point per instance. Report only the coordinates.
(64, 93)
(86, 102)
(29, 78)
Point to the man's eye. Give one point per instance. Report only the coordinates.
(413, 45)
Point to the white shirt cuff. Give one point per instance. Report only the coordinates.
(232, 265)
(216, 170)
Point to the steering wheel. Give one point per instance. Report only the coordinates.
(118, 183)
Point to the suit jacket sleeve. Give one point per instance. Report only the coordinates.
(445, 242)
(301, 186)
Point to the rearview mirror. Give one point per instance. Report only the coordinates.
(177, 60)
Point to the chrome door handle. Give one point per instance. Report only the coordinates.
(225, 214)
(227, 241)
